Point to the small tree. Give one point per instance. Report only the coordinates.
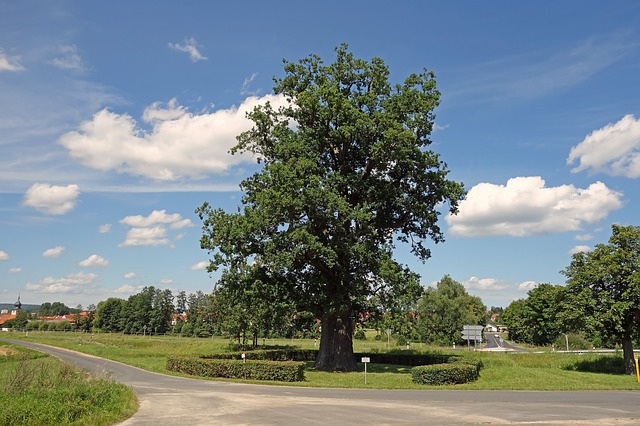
(603, 289)
(445, 309)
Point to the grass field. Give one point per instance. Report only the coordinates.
(37, 389)
(502, 371)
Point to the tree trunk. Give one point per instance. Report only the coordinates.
(627, 352)
(336, 344)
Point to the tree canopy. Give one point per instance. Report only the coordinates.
(347, 174)
(603, 289)
(445, 309)
(535, 320)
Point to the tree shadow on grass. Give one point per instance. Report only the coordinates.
(603, 364)
(375, 368)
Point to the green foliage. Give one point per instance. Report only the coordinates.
(446, 374)
(603, 290)
(282, 371)
(536, 319)
(336, 192)
(360, 335)
(52, 309)
(576, 342)
(445, 309)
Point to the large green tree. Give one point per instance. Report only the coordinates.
(347, 173)
(443, 311)
(536, 320)
(603, 289)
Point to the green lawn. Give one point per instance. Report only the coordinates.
(502, 371)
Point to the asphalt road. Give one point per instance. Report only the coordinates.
(169, 400)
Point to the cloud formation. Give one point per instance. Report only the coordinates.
(485, 284)
(94, 260)
(69, 59)
(51, 199)
(4, 255)
(72, 283)
(53, 253)
(10, 63)
(152, 230)
(199, 266)
(15, 270)
(614, 149)
(579, 249)
(524, 206)
(190, 47)
(179, 145)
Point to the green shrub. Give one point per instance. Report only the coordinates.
(360, 335)
(576, 342)
(445, 374)
(282, 371)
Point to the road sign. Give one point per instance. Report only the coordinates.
(472, 332)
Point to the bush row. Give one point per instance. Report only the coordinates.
(282, 371)
(409, 359)
(457, 372)
(286, 354)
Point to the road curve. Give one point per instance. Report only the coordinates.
(169, 400)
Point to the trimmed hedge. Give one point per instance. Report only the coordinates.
(458, 372)
(410, 359)
(278, 365)
(236, 369)
(286, 354)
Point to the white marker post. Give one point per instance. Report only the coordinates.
(365, 360)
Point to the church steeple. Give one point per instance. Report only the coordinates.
(18, 305)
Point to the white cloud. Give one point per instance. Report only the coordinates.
(157, 217)
(613, 149)
(166, 281)
(200, 265)
(247, 83)
(156, 236)
(69, 284)
(524, 206)
(527, 285)
(579, 249)
(534, 74)
(130, 275)
(584, 237)
(53, 252)
(180, 144)
(190, 46)
(15, 270)
(485, 284)
(4, 255)
(94, 260)
(9, 63)
(104, 228)
(128, 289)
(69, 60)
(152, 230)
(51, 199)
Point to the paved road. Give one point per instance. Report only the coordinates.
(168, 400)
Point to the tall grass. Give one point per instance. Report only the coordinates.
(41, 390)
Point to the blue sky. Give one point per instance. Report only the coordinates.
(116, 118)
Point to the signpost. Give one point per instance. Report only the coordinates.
(472, 332)
(365, 360)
